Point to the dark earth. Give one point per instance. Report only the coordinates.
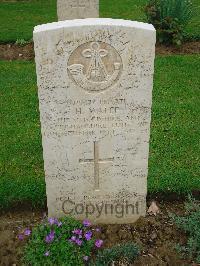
(155, 234)
(26, 52)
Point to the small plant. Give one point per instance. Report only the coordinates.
(21, 42)
(123, 253)
(170, 18)
(191, 225)
(60, 242)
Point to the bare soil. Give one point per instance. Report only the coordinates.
(14, 52)
(26, 52)
(156, 235)
(186, 48)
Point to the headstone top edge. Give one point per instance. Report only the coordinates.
(93, 22)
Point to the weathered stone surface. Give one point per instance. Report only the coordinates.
(76, 9)
(95, 79)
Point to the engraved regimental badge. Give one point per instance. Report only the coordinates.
(95, 66)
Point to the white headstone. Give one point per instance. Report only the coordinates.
(76, 9)
(95, 79)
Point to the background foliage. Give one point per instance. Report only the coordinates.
(190, 223)
(124, 253)
(17, 19)
(170, 18)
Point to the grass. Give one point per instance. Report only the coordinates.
(17, 19)
(22, 176)
(175, 147)
(174, 153)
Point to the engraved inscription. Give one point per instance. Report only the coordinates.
(77, 4)
(96, 162)
(95, 66)
(74, 9)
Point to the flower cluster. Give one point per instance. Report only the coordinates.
(79, 235)
(50, 237)
(27, 232)
(54, 233)
(86, 234)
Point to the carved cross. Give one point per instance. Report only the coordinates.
(97, 161)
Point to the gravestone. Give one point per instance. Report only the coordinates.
(77, 9)
(95, 79)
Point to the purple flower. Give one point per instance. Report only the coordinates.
(52, 221)
(20, 237)
(88, 235)
(47, 253)
(78, 242)
(27, 232)
(59, 224)
(86, 223)
(98, 243)
(85, 258)
(56, 221)
(77, 231)
(49, 238)
(72, 239)
(98, 229)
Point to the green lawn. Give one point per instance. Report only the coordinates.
(17, 19)
(175, 147)
(22, 176)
